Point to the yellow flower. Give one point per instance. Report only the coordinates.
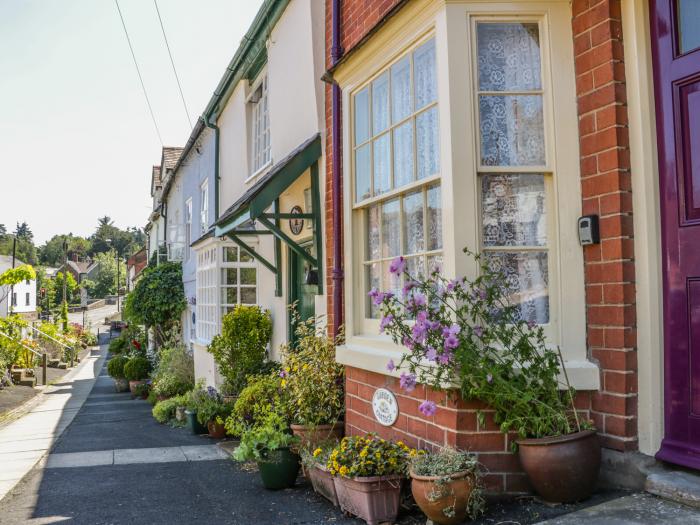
(284, 383)
(317, 452)
(364, 453)
(343, 470)
(413, 453)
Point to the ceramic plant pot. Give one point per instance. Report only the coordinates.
(323, 483)
(312, 436)
(435, 494)
(193, 424)
(562, 469)
(216, 430)
(280, 469)
(121, 385)
(373, 499)
(180, 414)
(134, 384)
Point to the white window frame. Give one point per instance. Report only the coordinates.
(207, 315)
(259, 128)
(204, 206)
(188, 228)
(237, 265)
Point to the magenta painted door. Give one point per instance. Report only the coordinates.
(675, 26)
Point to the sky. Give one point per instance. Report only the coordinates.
(76, 139)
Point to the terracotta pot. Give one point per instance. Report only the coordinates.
(312, 436)
(180, 414)
(216, 430)
(451, 491)
(323, 483)
(562, 469)
(134, 384)
(162, 397)
(121, 385)
(374, 499)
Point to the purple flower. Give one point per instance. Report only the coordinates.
(378, 297)
(478, 330)
(451, 342)
(408, 286)
(428, 408)
(397, 266)
(434, 325)
(386, 321)
(452, 285)
(408, 342)
(446, 357)
(407, 382)
(451, 330)
(482, 294)
(431, 354)
(390, 366)
(419, 332)
(283, 374)
(531, 324)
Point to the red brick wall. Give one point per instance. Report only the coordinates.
(606, 190)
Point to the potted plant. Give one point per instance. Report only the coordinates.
(270, 446)
(446, 486)
(136, 371)
(264, 394)
(115, 368)
(194, 398)
(369, 472)
(174, 374)
(211, 412)
(313, 383)
(474, 334)
(142, 390)
(316, 470)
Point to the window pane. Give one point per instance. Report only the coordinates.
(509, 56)
(391, 229)
(373, 249)
(245, 257)
(434, 219)
(373, 281)
(231, 254)
(362, 173)
(248, 276)
(425, 86)
(688, 32)
(416, 267)
(403, 154)
(401, 89)
(229, 295)
(413, 221)
(362, 116)
(512, 130)
(435, 264)
(229, 276)
(513, 210)
(390, 281)
(248, 295)
(526, 277)
(380, 104)
(428, 154)
(382, 154)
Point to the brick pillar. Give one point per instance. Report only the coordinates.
(606, 190)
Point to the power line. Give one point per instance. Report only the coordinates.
(172, 62)
(143, 86)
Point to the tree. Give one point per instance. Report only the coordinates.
(71, 287)
(47, 302)
(104, 282)
(52, 253)
(14, 276)
(22, 231)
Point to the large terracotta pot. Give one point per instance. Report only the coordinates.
(374, 499)
(134, 384)
(312, 436)
(323, 483)
(216, 430)
(434, 494)
(562, 469)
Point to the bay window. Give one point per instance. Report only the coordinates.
(207, 318)
(238, 279)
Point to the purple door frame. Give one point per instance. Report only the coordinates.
(677, 89)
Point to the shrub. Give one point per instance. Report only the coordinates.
(174, 374)
(262, 396)
(311, 377)
(211, 406)
(137, 368)
(261, 442)
(10, 349)
(164, 411)
(115, 366)
(241, 348)
(117, 345)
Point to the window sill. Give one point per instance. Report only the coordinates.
(258, 172)
(373, 354)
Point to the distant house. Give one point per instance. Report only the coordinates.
(80, 269)
(135, 264)
(155, 229)
(21, 299)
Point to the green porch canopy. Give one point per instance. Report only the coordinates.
(260, 204)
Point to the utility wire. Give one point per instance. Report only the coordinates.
(143, 86)
(172, 62)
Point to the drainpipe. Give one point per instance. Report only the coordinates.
(213, 126)
(337, 273)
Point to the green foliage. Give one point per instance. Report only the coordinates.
(104, 281)
(210, 406)
(137, 369)
(10, 349)
(260, 442)
(158, 298)
(164, 411)
(64, 316)
(363, 456)
(142, 390)
(115, 366)
(262, 396)
(72, 291)
(241, 348)
(52, 252)
(25, 250)
(16, 275)
(117, 345)
(174, 373)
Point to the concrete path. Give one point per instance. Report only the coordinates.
(26, 440)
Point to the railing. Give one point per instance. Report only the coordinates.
(41, 355)
(70, 349)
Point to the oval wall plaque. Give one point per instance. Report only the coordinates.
(385, 407)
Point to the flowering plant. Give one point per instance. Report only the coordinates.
(359, 456)
(211, 406)
(262, 442)
(469, 332)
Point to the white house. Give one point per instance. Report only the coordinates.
(21, 299)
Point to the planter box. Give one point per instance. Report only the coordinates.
(373, 499)
(323, 483)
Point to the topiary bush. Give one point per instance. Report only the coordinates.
(137, 369)
(115, 366)
(117, 345)
(241, 348)
(262, 396)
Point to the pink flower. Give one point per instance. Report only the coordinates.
(390, 366)
(428, 408)
(397, 266)
(407, 382)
